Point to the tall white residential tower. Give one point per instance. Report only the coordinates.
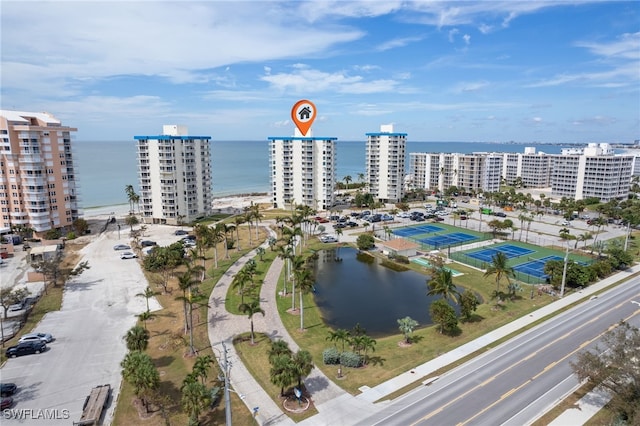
(174, 174)
(385, 158)
(37, 175)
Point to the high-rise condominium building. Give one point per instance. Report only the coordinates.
(37, 176)
(174, 174)
(593, 171)
(385, 158)
(532, 168)
(303, 171)
(479, 171)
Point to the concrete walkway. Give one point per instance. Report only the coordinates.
(335, 406)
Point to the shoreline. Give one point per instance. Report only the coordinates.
(234, 202)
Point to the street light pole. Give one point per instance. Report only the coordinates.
(227, 396)
(564, 271)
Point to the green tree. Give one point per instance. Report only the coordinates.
(443, 315)
(147, 294)
(282, 372)
(611, 367)
(367, 344)
(165, 260)
(138, 370)
(347, 179)
(250, 309)
(10, 296)
(201, 367)
(131, 220)
(365, 242)
(339, 335)
(302, 364)
(500, 269)
(137, 338)
(406, 326)
(441, 284)
(195, 398)
(81, 226)
(304, 279)
(278, 347)
(468, 304)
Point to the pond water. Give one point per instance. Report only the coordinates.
(358, 289)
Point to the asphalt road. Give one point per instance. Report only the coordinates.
(98, 308)
(517, 381)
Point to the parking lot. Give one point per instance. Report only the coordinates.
(98, 308)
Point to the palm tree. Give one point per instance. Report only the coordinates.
(297, 262)
(187, 282)
(139, 371)
(137, 338)
(347, 179)
(147, 294)
(238, 220)
(367, 344)
(130, 192)
(282, 373)
(201, 367)
(304, 280)
(250, 309)
(278, 347)
(240, 281)
(499, 268)
(260, 251)
(285, 253)
(144, 317)
(441, 284)
(195, 398)
(340, 335)
(302, 364)
(406, 326)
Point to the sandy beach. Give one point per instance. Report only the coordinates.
(223, 204)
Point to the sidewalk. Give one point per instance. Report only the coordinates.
(335, 406)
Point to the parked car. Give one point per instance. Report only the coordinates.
(181, 232)
(6, 403)
(35, 337)
(148, 243)
(351, 224)
(121, 247)
(387, 217)
(565, 223)
(188, 238)
(128, 255)
(189, 243)
(438, 219)
(26, 348)
(8, 389)
(404, 215)
(328, 239)
(16, 306)
(500, 214)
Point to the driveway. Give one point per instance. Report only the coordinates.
(97, 310)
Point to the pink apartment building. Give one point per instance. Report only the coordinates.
(37, 177)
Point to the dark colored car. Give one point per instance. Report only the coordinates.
(439, 219)
(147, 243)
(500, 214)
(26, 348)
(352, 224)
(6, 403)
(181, 232)
(8, 389)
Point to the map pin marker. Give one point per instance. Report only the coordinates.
(303, 113)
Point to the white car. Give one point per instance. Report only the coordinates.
(121, 247)
(328, 239)
(36, 337)
(128, 255)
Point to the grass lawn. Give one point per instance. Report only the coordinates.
(256, 359)
(168, 347)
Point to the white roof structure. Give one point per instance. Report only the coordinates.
(18, 116)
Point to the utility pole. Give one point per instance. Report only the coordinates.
(227, 398)
(564, 271)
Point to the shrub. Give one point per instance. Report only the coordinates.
(365, 242)
(71, 235)
(350, 359)
(331, 356)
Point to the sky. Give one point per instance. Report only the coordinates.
(486, 71)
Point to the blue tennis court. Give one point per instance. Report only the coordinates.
(511, 251)
(416, 230)
(448, 239)
(535, 268)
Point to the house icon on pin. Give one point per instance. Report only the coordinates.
(304, 113)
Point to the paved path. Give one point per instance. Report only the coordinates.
(335, 406)
(223, 327)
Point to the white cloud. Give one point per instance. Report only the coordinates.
(452, 34)
(470, 86)
(398, 42)
(467, 39)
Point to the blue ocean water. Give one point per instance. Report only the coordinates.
(105, 168)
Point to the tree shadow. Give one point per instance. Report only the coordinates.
(316, 384)
(473, 318)
(375, 360)
(416, 339)
(163, 361)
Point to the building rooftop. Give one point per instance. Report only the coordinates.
(19, 116)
